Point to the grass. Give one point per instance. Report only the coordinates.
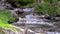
(47, 8)
(5, 16)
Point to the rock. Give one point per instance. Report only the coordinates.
(51, 30)
(7, 6)
(10, 22)
(57, 15)
(2, 8)
(56, 18)
(49, 18)
(28, 10)
(20, 13)
(16, 19)
(30, 33)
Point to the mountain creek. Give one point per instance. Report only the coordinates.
(28, 19)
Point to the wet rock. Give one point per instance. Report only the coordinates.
(30, 33)
(56, 18)
(28, 11)
(20, 13)
(51, 30)
(49, 18)
(16, 19)
(6, 5)
(57, 15)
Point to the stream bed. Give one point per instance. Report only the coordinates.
(35, 21)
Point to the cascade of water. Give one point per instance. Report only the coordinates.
(30, 19)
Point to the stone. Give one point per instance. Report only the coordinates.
(2, 8)
(6, 5)
(49, 18)
(56, 18)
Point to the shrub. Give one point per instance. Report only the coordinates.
(19, 3)
(5, 15)
(47, 8)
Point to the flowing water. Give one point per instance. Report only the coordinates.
(35, 19)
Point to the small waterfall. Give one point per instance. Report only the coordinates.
(34, 19)
(31, 19)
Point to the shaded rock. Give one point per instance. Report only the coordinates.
(20, 13)
(56, 18)
(30, 33)
(16, 19)
(10, 22)
(49, 18)
(28, 11)
(51, 30)
(7, 5)
(57, 15)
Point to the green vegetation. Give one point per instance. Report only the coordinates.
(50, 7)
(5, 16)
(21, 3)
(43, 7)
(25, 2)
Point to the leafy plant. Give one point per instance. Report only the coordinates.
(5, 16)
(44, 7)
(51, 9)
(19, 3)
